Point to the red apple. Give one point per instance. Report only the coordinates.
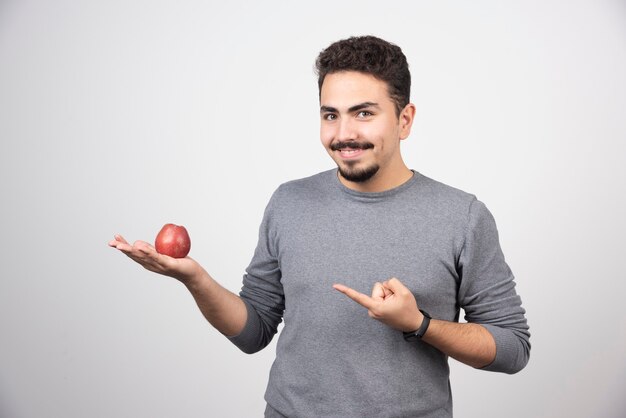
(173, 240)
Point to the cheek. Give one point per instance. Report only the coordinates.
(383, 134)
(326, 136)
(371, 132)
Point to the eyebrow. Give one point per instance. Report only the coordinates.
(352, 109)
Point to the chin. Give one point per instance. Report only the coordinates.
(358, 175)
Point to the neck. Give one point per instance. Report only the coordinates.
(382, 180)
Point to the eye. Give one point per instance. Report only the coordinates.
(364, 114)
(329, 116)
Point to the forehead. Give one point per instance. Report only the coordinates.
(345, 88)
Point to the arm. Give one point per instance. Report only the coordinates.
(262, 289)
(393, 304)
(487, 292)
(496, 337)
(222, 308)
(249, 320)
(468, 343)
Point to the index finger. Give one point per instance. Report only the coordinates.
(358, 297)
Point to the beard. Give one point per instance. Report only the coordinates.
(348, 172)
(358, 175)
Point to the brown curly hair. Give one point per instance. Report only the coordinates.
(371, 55)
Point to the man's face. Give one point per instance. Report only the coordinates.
(359, 126)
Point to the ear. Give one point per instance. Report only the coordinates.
(406, 120)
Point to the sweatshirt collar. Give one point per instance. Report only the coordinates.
(374, 196)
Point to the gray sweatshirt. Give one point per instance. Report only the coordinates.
(332, 359)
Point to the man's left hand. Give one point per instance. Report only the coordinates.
(391, 303)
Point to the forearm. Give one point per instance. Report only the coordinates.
(222, 308)
(393, 304)
(468, 343)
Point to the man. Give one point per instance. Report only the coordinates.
(422, 249)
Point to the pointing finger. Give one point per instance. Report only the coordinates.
(358, 297)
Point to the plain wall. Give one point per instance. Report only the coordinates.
(120, 116)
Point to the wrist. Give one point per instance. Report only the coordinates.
(417, 322)
(194, 277)
(422, 328)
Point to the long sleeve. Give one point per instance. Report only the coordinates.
(262, 291)
(487, 292)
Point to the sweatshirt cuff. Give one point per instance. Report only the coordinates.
(512, 352)
(247, 339)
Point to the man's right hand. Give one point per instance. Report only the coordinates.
(222, 308)
(183, 269)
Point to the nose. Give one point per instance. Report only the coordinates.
(345, 130)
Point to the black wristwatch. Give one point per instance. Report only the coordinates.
(417, 335)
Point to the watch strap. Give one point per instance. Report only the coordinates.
(418, 334)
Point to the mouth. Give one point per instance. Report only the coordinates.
(351, 149)
(348, 153)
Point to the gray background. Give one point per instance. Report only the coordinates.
(120, 116)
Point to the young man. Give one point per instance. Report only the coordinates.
(422, 249)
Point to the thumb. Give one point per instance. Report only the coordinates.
(395, 285)
(379, 292)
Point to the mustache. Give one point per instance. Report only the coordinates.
(350, 144)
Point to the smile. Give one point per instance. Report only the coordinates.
(350, 149)
(348, 153)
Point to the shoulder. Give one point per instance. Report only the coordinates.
(316, 181)
(452, 203)
(443, 197)
(305, 188)
(297, 200)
